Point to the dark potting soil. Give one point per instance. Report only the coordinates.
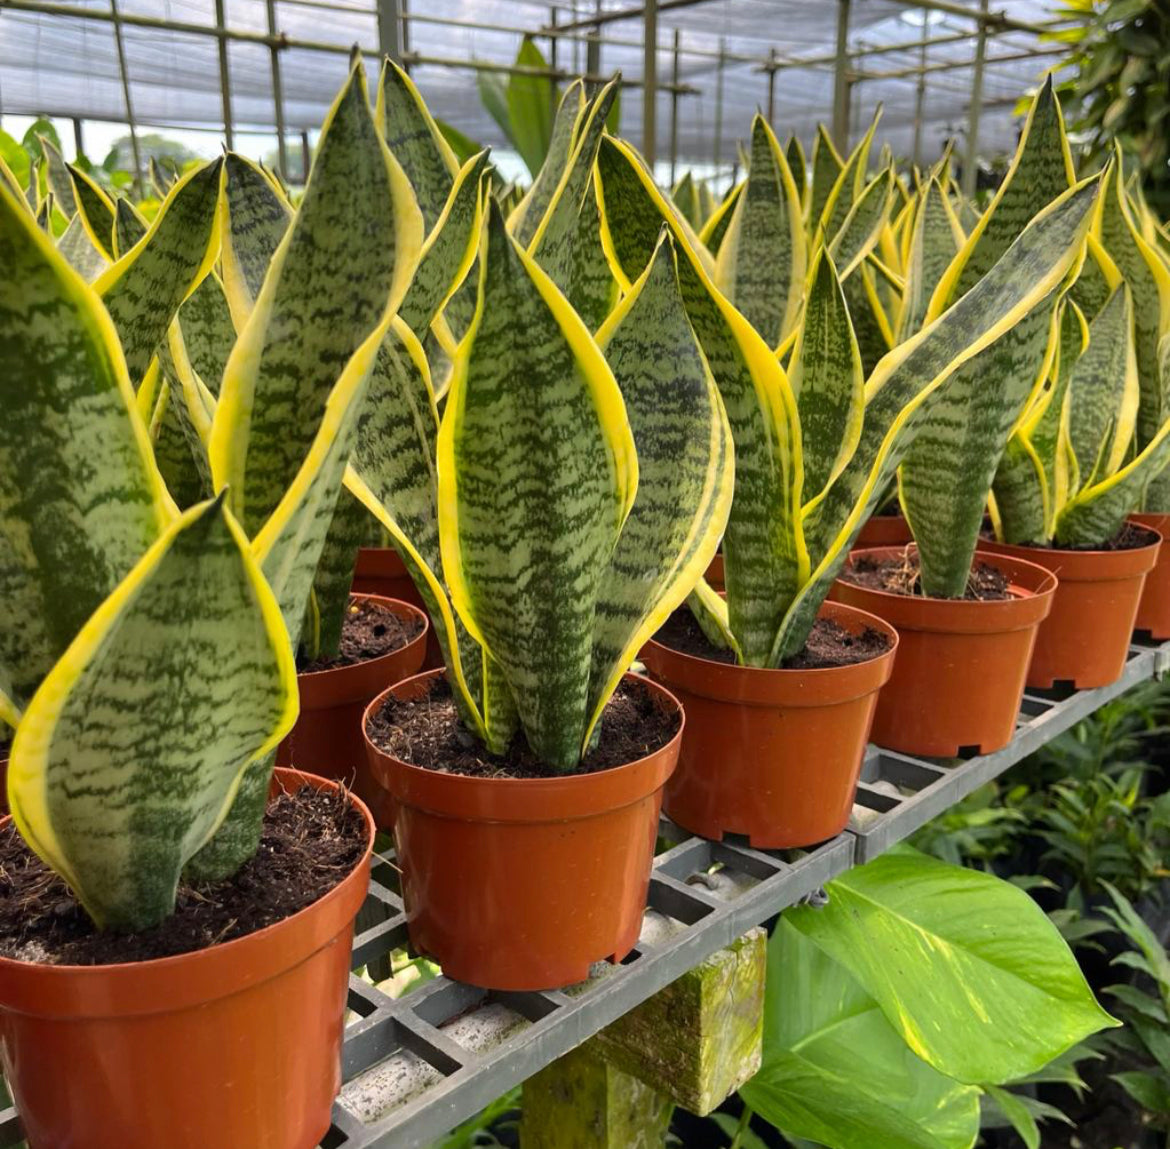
(900, 575)
(311, 841)
(369, 630)
(427, 732)
(1129, 538)
(829, 644)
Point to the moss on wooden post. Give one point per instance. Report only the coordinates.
(583, 1102)
(700, 1038)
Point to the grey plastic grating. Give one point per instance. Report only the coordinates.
(416, 1066)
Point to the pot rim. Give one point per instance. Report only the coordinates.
(395, 606)
(1088, 566)
(143, 981)
(567, 797)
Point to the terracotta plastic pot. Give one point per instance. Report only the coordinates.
(1154, 610)
(714, 575)
(1086, 637)
(884, 531)
(772, 754)
(381, 571)
(237, 1046)
(521, 884)
(961, 664)
(327, 739)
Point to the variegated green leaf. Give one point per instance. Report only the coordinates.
(1098, 278)
(859, 232)
(130, 754)
(794, 152)
(144, 288)
(762, 258)
(936, 240)
(178, 451)
(826, 167)
(255, 219)
(763, 549)
(686, 471)
(847, 189)
(827, 380)
(414, 138)
(345, 261)
(685, 196)
(870, 323)
(526, 217)
(537, 473)
(45, 215)
(899, 392)
(715, 229)
(78, 249)
(57, 177)
(208, 334)
(80, 497)
(129, 227)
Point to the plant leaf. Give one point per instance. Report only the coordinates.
(936, 240)
(178, 680)
(715, 229)
(129, 227)
(530, 107)
(827, 165)
(860, 230)
(79, 250)
(1017, 1113)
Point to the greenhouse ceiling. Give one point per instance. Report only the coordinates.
(176, 71)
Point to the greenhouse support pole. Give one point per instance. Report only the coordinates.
(841, 85)
(650, 83)
(225, 81)
(553, 95)
(969, 166)
(120, 44)
(78, 141)
(306, 156)
(674, 72)
(404, 35)
(389, 29)
(719, 68)
(593, 48)
(920, 96)
(771, 87)
(277, 94)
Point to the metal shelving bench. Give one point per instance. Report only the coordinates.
(418, 1065)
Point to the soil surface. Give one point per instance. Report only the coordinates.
(311, 841)
(369, 630)
(1129, 538)
(427, 732)
(829, 644)
(900, 575)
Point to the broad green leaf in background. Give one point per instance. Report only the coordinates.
(144, 288)
(181, 677)
(80, 495)
(966, 967)
(686, 470)
(531, 100)
(463, 146)
(835, 1071)
(534, 447)
(15, 158)
(762, 258)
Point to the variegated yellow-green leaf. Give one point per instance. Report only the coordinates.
(870, 323)
(526, 217)
(685, 196)
(860, 230)
(144, 288)
(537, 472)
(826, 167)
(208, 334)
(1103, 392)
(1098, 278)
(685, 471)
(129, 227)
(715, 229)
(936, 240)
(76, 246)
(414, 138)
(827, 380)
(178, 450)
(763, 549)
(57, 177)
(80, 497)
(794, 152)
(1149, 283)
(899, 391)
(762, 258)
(95, 209)
(45, 215)
(130, 754)
(255, 219)
(345, 261)
(847, 189)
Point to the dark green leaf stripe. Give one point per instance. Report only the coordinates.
(208, 334)
(685, 471)
(529, 212)
(185, 472)
(343, 264)
(95, 208)
(594, 290)
(826, 167)
(537, 472)
(763, 550)
(898, 392)
(76, 246)
(936, 240)
(80, 498)
(129, 227)
(762, 259)
(827, 380)
(415, 141)
(144, 288)
(130, 753)
(256, 216)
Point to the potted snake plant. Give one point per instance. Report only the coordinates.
(149, 665)
(969, 620)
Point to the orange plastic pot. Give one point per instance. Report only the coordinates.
(380, 571)
(237, 1046)
(327, 739)
(961, 664)
(1153, 613)
(521, 884)
(1086, 636)
(883, 531)
(772, 754)
(714, 575)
